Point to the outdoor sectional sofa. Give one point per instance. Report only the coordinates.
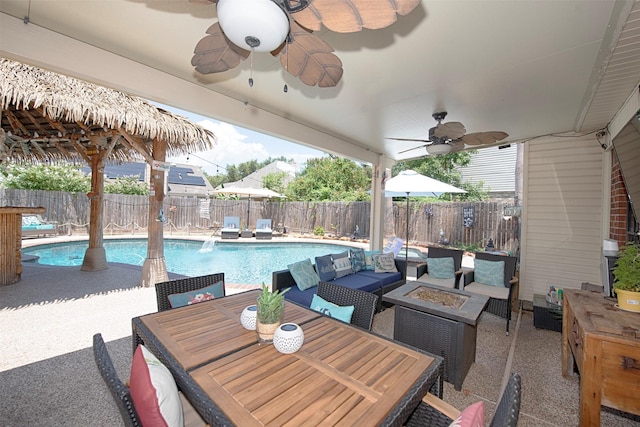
(365, 280)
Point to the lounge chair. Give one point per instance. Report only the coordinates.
(446, 274)
(34, 225)
(231, 227)
(263, 229)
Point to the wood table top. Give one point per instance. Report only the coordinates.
(342, 375)
(199, 333)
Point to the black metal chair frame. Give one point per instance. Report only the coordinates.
(506, 414)
(118, 389)
(497, 306)
(177, 286)
(364, 303)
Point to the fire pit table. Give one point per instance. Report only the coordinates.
(441, 321)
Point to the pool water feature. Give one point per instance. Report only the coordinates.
(242, 263)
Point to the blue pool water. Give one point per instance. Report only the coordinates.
(246, 263)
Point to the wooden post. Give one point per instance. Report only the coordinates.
(95, 257)
(154, 269)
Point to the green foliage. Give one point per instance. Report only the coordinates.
(318, 231)
(270, 305)
(60, 177)
(470, 247)
(127, 185)
(445, 168)
(627, 268)
(275, 181)
(331, 179)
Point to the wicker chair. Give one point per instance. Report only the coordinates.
(364, 302)
(433, 411)
(119, 391)
(435, 252)
(499, 298)
(164, 289)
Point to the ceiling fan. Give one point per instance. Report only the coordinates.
(451, 137)
(285, 28)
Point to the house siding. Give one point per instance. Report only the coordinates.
(561, 231)
(495, 167)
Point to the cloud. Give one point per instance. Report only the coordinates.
(232, 148)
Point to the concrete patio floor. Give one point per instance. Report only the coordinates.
(49, 375)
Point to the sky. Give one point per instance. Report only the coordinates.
(234, 142)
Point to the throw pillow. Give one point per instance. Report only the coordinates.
(441, 268)
(342, 264)
(193, 297)
(154, 391)
(384, 263)
(488, 272)
(330, 309)
(324, 264)
(471, 416)
(368, 259)
(304, 274)
(357, 259)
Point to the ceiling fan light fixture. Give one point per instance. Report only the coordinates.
(435, 149)
(258, 25)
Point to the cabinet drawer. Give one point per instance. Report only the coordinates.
(621, 376)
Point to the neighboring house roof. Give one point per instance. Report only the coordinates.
(495, 167)
(182, 180)
(254, 180)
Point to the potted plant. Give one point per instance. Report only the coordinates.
(270, 310)
(627, 277)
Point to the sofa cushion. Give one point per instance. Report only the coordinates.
(330, 309)
(324, 265)
(301, 297)
(304, 274)
(199, 295)
(357, 259)
(441, 268)
(360, 281)
(384, 263)
(384, 278)
(488, 272)
(154, 391)
(342, 264)
(368, 259)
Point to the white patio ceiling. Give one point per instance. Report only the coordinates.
(528, 68)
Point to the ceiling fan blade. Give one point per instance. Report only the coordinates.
(215, 53)
(451, 130)
(483, 138)
(350, 16)
(411, 149)
(410, 139)
(311, 59)
(204, 1)
(457, 146)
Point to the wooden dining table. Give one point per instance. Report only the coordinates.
(342, 375)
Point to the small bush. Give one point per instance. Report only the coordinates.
(318, 231)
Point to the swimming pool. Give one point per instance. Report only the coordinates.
(245, 263)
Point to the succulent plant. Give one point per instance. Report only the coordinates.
(270, 305)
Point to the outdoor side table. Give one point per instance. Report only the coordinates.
(445, 326)
(546, 315)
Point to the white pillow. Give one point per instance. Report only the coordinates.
(154, 391)
(342, 266)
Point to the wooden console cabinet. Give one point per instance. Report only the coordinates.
(604, 343)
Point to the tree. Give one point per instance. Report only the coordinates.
(126, 185)
(331, 179)
(275, 181)
(60, 177)
(445, 168)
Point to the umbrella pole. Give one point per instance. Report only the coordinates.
(246, 226)
(406, 250)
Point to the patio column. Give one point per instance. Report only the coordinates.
(95, 257)
(154, 269)
(376, 223)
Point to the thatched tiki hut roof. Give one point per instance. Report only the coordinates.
(50, 117)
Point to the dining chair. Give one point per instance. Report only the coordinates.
(433, 411)
(450, 279)
(364, 302)
(501, 293)
(119, 391)
(188, 284)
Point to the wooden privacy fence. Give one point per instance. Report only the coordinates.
(456, 223)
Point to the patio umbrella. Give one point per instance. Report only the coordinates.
(256, 193)
(412, 183)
